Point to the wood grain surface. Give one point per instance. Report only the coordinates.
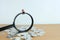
(52, 32)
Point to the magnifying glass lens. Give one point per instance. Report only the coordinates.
(23, 22)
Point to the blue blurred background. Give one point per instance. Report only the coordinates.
(43, 11)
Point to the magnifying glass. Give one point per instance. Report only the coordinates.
(23, 22)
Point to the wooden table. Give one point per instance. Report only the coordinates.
(52, 32)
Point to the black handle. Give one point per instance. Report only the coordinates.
(6, 27)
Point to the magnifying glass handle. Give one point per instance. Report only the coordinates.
(6, 27)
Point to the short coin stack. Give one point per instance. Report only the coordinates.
(12, 34)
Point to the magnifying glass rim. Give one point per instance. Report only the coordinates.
(30, 25)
